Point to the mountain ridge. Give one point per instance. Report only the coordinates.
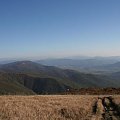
(49, 79)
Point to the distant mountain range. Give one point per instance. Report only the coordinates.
(84, 63)
(93, 65)
(27, 77)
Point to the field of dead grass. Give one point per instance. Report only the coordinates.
(57, 107)
(51, 107)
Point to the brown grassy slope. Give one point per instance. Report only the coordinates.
(94, 91)
(56, 107)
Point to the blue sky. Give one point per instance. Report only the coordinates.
(59, 28)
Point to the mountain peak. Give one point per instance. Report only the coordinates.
(21, 63)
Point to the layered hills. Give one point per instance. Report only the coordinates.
(93, 65)
(27, 77)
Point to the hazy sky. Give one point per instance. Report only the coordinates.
(52, 28)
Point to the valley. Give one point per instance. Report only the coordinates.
(27, 77)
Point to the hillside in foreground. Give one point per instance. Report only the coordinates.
(66, 107)
(27, 77)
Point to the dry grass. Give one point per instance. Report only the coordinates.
(66, 107)
(53, 107)
(117, 99)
